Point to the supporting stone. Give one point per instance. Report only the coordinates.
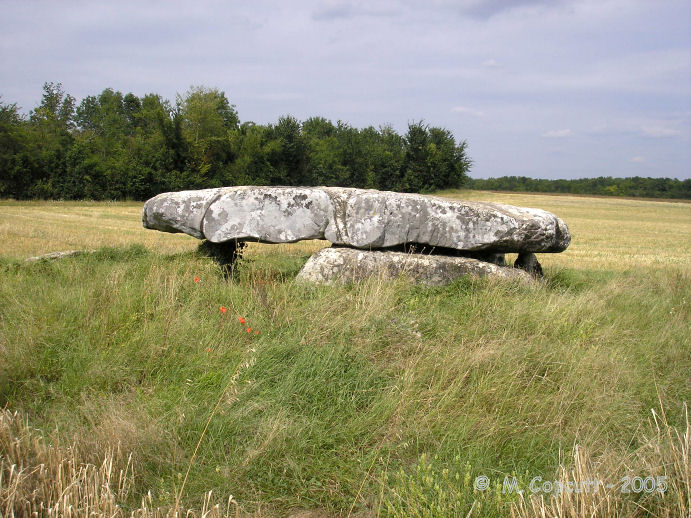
(224, 254)
(348, 265)
(528, 262)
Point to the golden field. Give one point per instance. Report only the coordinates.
(609, 233)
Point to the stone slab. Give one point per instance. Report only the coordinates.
(359, 218)
(347, 265)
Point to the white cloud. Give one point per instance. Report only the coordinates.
(467, 111)
(490, 63)
(659, 131)
(560, 133)
(345, 10)
(485, 9)
(276, 96)
(637, 159)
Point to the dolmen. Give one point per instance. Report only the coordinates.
(433, 240)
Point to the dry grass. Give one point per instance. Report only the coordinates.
(45, 480)
(41, 478)
(34, 228)
(37, 227)
(608, 233)
(600, 491)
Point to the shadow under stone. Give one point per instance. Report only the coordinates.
(224, 254)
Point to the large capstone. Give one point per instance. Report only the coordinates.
(347, 265)
(358, 218)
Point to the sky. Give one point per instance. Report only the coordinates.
(546, 89)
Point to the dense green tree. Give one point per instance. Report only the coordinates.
(206, 113)
(604, 185)
(289, 156)
(114, 146)
(323, 165)
(317, 128)
(49, 141)
(253, 151)
(351, 146)
(447, 163)
(207, 118)
(15, 167)
(413, 178)
(56, 111)
(432, 160)
(387, 157)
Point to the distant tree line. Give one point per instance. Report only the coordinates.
(604, 185)
(115, 146)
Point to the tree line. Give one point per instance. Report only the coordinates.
(114, 146)
(604, 185)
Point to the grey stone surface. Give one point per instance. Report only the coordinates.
(181, 211)
(527, 261)
(346, 265)
(268, 214)
(357, 218)
(57, 255)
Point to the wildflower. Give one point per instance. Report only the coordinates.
(249, 330)
(223, 309)
(242, 320)
(256, 332)
(196, 279)
(208, 349)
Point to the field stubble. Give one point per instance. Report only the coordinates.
(610, 234)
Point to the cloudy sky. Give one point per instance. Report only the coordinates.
(547, 89)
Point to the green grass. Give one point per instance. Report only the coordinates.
(386, 399)
(382, 397)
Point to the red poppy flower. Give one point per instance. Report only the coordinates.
(223, 309)
(242, 320)
(208, 349)
(196, 279)
(256, 332)
(249, 329)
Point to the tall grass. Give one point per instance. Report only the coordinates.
(355, 397)
(127, 389)
(664, 456)
(42, 479)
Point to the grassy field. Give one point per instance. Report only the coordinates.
(609, 233)
(130, 375)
